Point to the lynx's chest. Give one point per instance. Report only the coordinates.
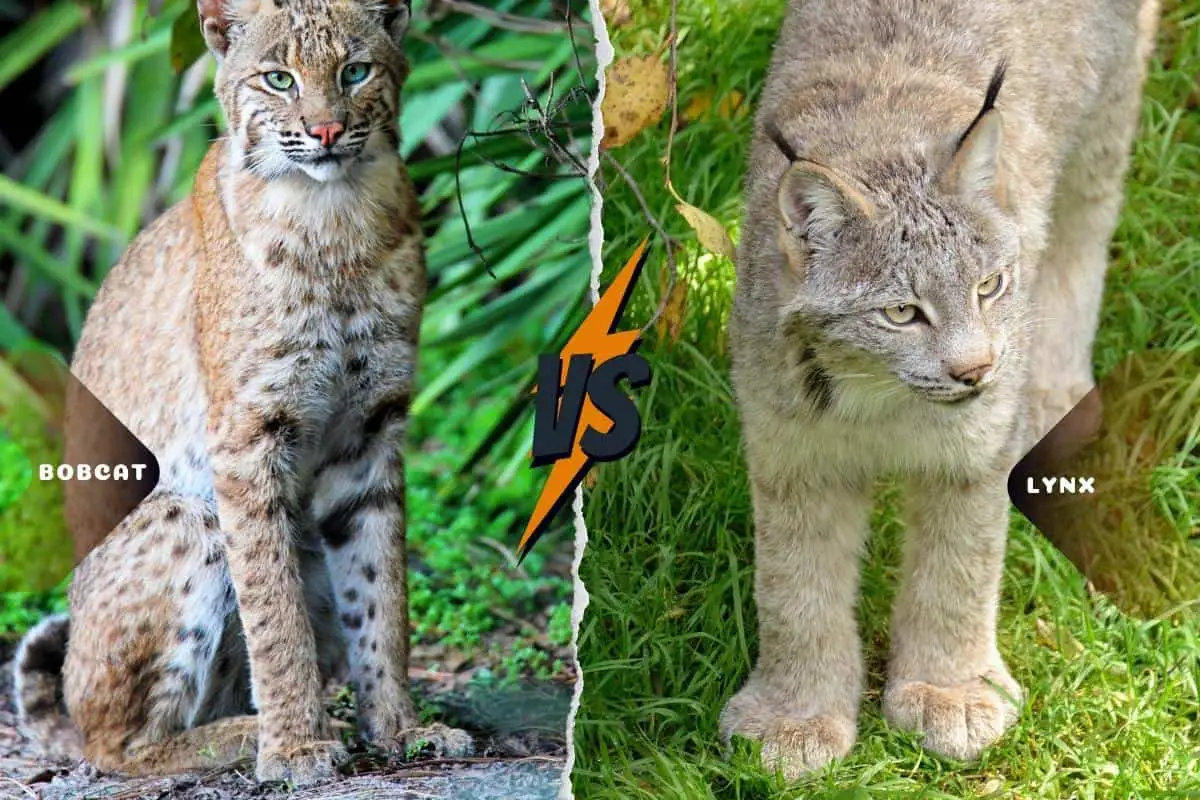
(877, 433)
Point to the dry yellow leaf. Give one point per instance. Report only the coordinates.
(697, 106)
(1057, 638)
(670, 322)
(635, 97)
(709, 232)
(991, 786)
(615, 12)
(730, 106)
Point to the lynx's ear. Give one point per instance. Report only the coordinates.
(974, 169)
(815, 201)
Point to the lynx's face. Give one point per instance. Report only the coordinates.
(927, 293)
(908, 263)
(308, 86)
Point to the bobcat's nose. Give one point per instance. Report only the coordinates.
(972, 374)
(327, 132)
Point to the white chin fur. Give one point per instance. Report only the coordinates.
(324, 171)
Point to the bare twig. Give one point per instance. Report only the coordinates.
(668, 241)
(451, 51)
(673, 94)
(500, 19)
(672, 88)
(549, 130)
(524, 625)
(28, 792)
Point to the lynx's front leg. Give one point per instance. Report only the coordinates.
(946, 678)
(359, 507)
(802, 698)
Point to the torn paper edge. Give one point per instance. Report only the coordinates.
(579, 603)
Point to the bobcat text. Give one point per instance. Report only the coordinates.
(88, 472)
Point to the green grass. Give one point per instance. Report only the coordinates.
(35, 548)
(1113, 707)
(464, 584)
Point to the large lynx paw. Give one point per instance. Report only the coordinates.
(793, 745)
(957, 721)
(303, 765)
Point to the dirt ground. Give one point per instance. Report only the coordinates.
(520, 733)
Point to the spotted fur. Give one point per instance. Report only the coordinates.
(260, 337)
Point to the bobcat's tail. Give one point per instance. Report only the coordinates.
(38, 686)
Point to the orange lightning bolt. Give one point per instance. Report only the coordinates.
(595, 337)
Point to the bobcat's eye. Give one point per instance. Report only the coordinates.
(279, 80)
(902, 314)
(991, 286)
(355, 73)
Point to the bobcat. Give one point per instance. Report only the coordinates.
(931, 192)
(260, 337)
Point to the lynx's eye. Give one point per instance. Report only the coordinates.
(902, 314)
(279, 80)
(355, 73)
(991, 286)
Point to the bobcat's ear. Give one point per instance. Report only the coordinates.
(397, 14)
(216, 17)
(974, 169)
(815, 202)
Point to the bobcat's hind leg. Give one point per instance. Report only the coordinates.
(151, 660)
(358, 505)
(1070, 281)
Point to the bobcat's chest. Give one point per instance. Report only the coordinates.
(333, 348)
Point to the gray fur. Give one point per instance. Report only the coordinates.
(880, 178)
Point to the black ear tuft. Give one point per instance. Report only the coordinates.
(989, 100)
(776, 136)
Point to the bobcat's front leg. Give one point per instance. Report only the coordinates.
(802, 698)
(946, 678)
(359, 507)
(253, 449)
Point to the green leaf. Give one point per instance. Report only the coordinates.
(40, 205)
(30, 251)
(488, 59)
(25, 46)
(187, 41)
(12, 332)
(128, 55)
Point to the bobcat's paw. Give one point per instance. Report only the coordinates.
(957, 721)
(440, 741)
(792, 744)
(302, 765)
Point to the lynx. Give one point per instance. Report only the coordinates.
(260, 337)
(932, 188)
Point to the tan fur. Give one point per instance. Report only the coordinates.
(882, 95)
(260, 337)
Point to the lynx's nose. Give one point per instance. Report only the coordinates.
(972, 375)
(326, 132)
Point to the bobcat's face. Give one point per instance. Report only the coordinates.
(309, 86)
